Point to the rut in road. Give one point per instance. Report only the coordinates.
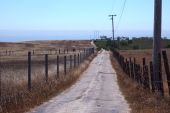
(95, 92)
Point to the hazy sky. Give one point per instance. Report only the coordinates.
(79, 14)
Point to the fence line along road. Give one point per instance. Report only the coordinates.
(143, 73)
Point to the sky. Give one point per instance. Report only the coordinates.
(80, 14)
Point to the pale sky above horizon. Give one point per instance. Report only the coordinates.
(80, 14)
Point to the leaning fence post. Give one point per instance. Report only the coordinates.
(46, 67)
(29, 70)
(57, 67)
(166, 68)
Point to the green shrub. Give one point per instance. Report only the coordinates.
(123, 43)
(135, 47)
(167, 46)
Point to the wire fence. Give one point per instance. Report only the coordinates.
(21, 71)
(41, 52)
(143, 74)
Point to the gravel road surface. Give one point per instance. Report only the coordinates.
(95, 92)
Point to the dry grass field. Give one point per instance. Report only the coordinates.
(140, 54)
(14, 95)
(45, 45)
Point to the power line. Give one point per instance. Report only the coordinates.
(121, 14)
(113, 6)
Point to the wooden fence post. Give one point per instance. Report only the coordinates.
(143, 71)
(132, 70)
(46, 67)
(159, 82)
(126, 66)
(134, 63)
(146, 77)
(75, 61)
(78, 59)
(166, 68)
(70, 62)
(0, 82)
(137, 72)
(128, 69)
(65, 65)
(152, 76)
(29, 70)
(57, 67)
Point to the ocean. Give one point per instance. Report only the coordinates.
(31, 35)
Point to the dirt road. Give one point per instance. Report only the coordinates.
(96, 92)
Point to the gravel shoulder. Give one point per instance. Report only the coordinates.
(96, 91)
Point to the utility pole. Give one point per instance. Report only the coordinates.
(112, 25)
(98, 35)
(157, 42)
(94, 35)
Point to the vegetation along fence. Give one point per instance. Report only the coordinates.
(143, 74)
(22, 72)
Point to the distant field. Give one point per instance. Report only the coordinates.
(45, 45)
(140, 54)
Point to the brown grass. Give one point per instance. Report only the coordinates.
(45, 45)
(147, 54)
(15, 98)
(140, 100)
(22, 101)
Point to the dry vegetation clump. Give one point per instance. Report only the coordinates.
(140, 100)
(18, 100)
